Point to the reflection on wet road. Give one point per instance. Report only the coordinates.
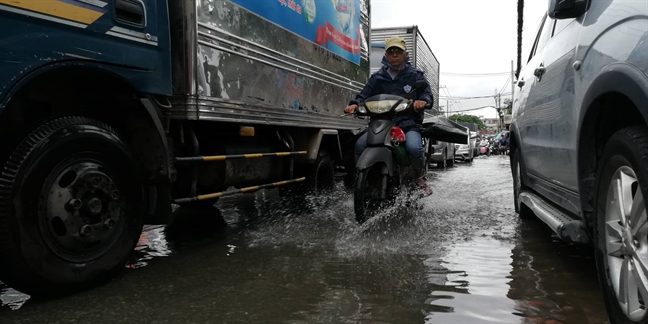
(460, 256)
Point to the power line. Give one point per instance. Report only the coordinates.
(475, 97)
(476, 74)
(471, 109)
(505, 84)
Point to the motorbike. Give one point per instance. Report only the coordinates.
(493, 148)
(384, 168)
(484, 149)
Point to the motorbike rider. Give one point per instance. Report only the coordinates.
(397, 77)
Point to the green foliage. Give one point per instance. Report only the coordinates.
(469, 119)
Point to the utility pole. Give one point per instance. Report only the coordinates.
(512, 83)
(447, 109)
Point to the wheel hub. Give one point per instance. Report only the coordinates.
(81, 208)
(626, 239)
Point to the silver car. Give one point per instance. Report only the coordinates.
(579, 140)
(466, 151)
(441, 153)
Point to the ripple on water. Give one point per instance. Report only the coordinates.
(474, 285)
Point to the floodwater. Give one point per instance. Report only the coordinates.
(460, 256)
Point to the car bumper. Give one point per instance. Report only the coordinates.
(436, 157)
(462, 154)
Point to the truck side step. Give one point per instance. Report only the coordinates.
(567, 228)
(236, 191)
(213, 158)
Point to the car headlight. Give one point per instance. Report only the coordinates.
(379, 107)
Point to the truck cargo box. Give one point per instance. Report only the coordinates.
(269, 62)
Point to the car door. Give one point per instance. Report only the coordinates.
(525, 114)
(556, 117)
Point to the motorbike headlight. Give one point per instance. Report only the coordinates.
(379, 107)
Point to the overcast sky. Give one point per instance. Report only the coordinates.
(467, 36)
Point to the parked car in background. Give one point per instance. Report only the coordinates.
(475, 143)
(579, 140)
(440, 153)
(465, 151)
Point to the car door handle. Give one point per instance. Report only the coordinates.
(539, 71)
(521, 83)
(130, 12)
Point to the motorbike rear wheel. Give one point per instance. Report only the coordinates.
(370, 190)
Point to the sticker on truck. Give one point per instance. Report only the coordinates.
(333, 24)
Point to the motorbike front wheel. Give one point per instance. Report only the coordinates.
(370, 190)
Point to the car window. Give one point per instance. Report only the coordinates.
(547, 31)
(532, 48)
(561, 24)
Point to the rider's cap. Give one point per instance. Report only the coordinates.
(396, 42)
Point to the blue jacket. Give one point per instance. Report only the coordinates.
(381, 83)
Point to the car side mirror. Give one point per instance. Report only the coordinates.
(563, 9)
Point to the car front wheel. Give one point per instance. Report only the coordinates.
(621, 233)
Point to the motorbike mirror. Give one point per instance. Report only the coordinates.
(420, 85)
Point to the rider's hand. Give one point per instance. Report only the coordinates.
(350, 109)
(419, 105)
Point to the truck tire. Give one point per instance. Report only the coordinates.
(319, 179)
(70, 207)
(620, 231)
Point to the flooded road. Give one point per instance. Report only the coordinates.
(461, 256)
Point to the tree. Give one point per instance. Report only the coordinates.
(520, 28)
(508, 106)
(468, 119)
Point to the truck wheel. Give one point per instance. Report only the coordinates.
(319, 178)
(518, 185)
(621, 227)
(322, 174)
(70, 207)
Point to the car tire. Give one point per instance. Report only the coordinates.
(443, 164)
(620, 229)
(71, 207)
(451, 162)
(517, 169)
